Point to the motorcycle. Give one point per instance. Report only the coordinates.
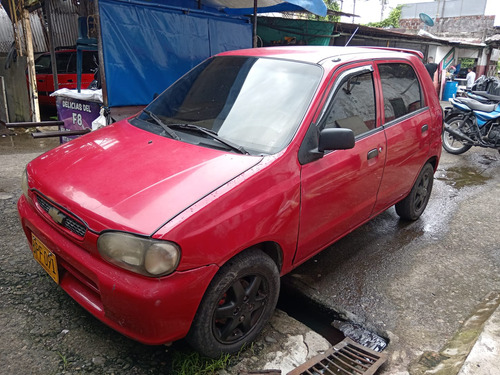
(471, 123)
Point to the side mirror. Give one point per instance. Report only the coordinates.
(335, 139)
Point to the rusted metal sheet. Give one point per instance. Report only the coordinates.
(6, 32)
(64, 16)
(347, 357)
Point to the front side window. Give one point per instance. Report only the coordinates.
(353, 105)
(255, 103)
(89, 62)
(401, 90)
(43, 65)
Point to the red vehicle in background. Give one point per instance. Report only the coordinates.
(179, 221)
(66, 73)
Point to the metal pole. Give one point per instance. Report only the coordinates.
(101, 55)
(4, 98)
(46, 10)
(255, 23)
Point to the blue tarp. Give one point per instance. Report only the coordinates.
(246, 6)
(146, 46)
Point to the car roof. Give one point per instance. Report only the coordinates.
(317, 54)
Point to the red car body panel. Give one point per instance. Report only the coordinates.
(148, 177)
(215, 204)
(146, 309)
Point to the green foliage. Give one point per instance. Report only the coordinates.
(391, 21)
(330, 5)
(466, 62)
(192, 363)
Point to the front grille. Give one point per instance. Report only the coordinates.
(347, 357)
(66, 221)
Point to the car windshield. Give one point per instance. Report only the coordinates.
(254, 103)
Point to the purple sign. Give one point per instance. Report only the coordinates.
(76, 114)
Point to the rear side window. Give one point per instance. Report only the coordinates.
(401, 90)
(353, 105)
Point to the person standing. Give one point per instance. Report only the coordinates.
(471, 78)
(431, 67)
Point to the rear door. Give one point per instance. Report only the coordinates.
(406, 120)
(66, 70)
(338, 191)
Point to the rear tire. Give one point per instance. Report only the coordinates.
(411, 207)
(237, 304)
(450, 144)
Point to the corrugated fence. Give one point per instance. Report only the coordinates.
(64, 18)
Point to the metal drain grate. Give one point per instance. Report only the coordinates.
(345, 358)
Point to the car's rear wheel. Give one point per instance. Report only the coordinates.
(411, 207)
(237, 304)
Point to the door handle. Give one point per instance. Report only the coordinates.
(425, 128)
(372, 153)
(70, 80)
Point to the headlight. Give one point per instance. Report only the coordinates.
(145, 256)
(24, 183)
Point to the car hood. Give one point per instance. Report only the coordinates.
(125, 178)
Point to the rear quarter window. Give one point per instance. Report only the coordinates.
(401, 90)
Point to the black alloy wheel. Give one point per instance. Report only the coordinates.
(237, 304)
(411, 207)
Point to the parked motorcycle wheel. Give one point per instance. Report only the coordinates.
(450, 143)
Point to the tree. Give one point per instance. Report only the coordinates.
(391, 21)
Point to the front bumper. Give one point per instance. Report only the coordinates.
(149, 310)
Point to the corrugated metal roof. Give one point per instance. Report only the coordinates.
(64, 18)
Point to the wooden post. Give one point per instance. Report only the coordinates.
(50, 32)
(28, 38)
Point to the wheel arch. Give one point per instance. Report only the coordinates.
(433, 161)
(272, 249)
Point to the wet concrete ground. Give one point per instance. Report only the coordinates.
(413, 283)
(416, 283)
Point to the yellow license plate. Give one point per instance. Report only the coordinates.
(45, 257)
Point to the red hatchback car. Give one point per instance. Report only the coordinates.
(178, 222)
(66, 73)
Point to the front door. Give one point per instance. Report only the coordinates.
(339, 191)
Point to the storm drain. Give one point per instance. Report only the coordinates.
(347, 357)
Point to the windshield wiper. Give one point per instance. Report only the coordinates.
(212, 134)
(165, 127)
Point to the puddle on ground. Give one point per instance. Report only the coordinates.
(24, 142)
(460, 177)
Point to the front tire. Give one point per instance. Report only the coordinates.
(450, 143)
(411, 207)
(237, 304)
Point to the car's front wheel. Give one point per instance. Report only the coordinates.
(411, 207)
(237, 304)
